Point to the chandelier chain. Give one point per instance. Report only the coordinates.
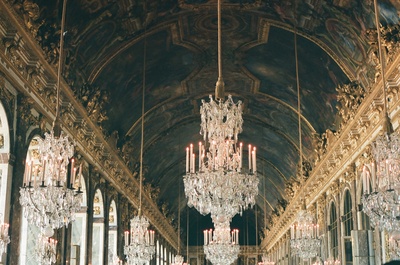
(381, 59)
(142, 119)
(60, 59)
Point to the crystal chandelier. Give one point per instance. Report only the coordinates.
(304, 235)
(48, 195)
(332, 261)
(179, 260)
(46, 250)
(219, 185)
(394, 248)
(4, 237)
(221, 246)
(139, 241)
(266, 260)
(382, 202)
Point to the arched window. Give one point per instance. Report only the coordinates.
(112, 233)
(347, 220)
(78, 230)
(5, 184)
(333, 229)
(98, 228)
(29, 233)
(5, 168)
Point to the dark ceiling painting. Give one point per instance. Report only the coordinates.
(106, 42)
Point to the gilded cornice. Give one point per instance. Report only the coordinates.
(351, 142)
(24, 65)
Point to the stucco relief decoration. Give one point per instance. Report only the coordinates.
(94, 101)
(44, 31)
(291, 187)
(349, 98)
(390, 39)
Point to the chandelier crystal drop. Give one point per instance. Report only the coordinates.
(51, 192)
(304, 235)
(139, 242)
(4, 237)
(266, 260)
(382, 202)
(221, 246)
(46, 250)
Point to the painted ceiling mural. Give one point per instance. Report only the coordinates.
(106, 42)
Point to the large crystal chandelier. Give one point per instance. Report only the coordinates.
(382, 202)
(304, 235)
(266, 260)
(49, 195)
(219, 184)
(139, 241)
(4, 237)
(46, 250)
(221, 246)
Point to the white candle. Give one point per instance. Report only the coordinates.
(250, 157)
(373, 176)
(292, 232)
(72, 164)
(237, 236)
(194, 163)
(364, 176)
(30, 171)
(254, 160)
(187, 159)
(199, 156)
(205, 237)
(126, 237)
(241, 156)
(191, 156)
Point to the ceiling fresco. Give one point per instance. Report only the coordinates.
(106, 42)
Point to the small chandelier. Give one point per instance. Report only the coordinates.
(178, 260)
(139, 242)
(304, 235)
(4, 237)
(48, 195)
(266, 260)
(332, 261)
(221, 247)
(46, 250)
(394, 247)
(220, 185)
(382, 203)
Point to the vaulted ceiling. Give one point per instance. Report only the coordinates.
(105, 45)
